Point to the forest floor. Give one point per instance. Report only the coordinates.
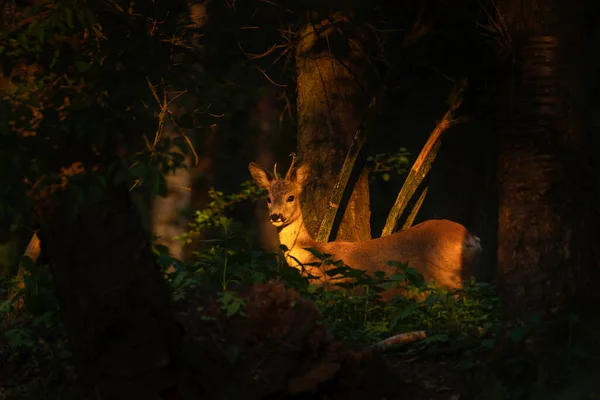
(436, 378)
(279, 341)
(276, 349)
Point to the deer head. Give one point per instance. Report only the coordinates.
(283, 199)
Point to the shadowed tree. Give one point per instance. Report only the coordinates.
(76, 106)
(546, 211)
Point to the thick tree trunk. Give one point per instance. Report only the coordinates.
(113, 299)
(545, 210)
(331, 70)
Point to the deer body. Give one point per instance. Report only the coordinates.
(441, 250)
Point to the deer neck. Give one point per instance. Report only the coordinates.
(296, 238)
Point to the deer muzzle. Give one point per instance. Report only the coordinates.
(277, 219)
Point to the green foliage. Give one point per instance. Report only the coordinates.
(386, 164)
(356, 314)
(232, 304)
(354, 310)
(213, 216)
(33, 337)
(74, 93)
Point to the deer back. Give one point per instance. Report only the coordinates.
(442, 251)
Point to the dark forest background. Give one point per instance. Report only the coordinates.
(136, 258)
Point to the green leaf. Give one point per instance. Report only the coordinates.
(91, 18)
(232, 353)
(82, 66)
(41, 35)
(68, 16)
(519, 333)
(233, 308)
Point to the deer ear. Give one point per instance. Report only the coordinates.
(302, 173)
(260, 175)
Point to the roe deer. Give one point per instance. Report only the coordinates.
(441, 250)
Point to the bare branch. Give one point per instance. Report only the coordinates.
(269, 79)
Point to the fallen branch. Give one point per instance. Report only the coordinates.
(403, 338)
(423, 163)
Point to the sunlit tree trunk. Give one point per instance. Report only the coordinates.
(169, 215)
(169, 219)
(331, 69)
(545, 208)
(113, 300)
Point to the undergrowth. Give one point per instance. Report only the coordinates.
(34, 339)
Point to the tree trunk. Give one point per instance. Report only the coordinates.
(168, 214)
(545, 210)
(168, 218)
(113, 299)
(331, 70)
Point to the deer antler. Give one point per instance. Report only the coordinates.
(289, 173)
(275, 170)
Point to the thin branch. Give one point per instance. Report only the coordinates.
(28, 20)
(189, 142)
(262, 55)
(205, 112)
(415, 210)
(269, 79)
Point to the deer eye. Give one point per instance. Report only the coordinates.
(269, 200)
(290, 199)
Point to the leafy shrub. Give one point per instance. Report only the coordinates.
(354, 312)
(33, 336)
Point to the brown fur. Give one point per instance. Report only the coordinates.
(443, 251)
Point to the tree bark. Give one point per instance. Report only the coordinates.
(331, 72)
(113, 299)
(545, 209)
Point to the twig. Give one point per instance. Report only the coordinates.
(269, 79)
(28, 20)
(262, 55)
